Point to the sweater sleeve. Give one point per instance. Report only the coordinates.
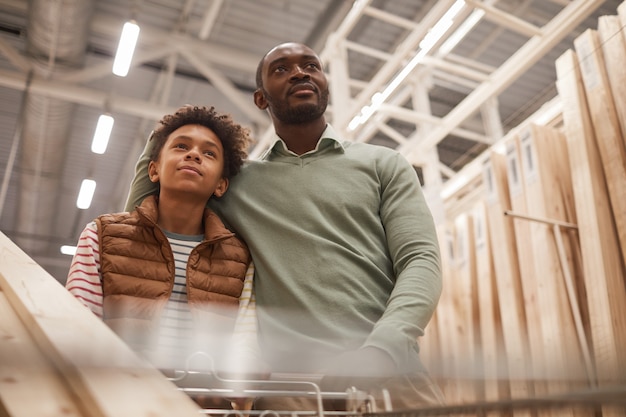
(414, 250)
(84, 280)
(141, 186)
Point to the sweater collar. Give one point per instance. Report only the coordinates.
(328, 139)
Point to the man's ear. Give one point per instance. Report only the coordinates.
(259, 99)
(152, 172)
(221, 188)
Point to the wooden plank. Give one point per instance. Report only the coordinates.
(491, 343)
(604, 120)
(546, 183)
(506, 266)
(602, 266)
(526, 258)
(614, 52)
(466, 310)
(447, 320)
(29, 384)
(106, 376)
(621, 15)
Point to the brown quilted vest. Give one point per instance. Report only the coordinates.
(137, 267)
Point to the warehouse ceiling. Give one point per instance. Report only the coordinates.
(489, 69)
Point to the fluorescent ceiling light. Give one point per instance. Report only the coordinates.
(467, 25)
(432, 37)
(87, 188)
(125, 49)
(68, 250)
(102, 133)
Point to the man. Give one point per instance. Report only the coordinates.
(345, 248)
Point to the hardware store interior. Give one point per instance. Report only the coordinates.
(455, 86)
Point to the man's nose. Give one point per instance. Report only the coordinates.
(299, 72)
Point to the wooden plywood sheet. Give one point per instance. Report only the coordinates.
(530, 282)
(466, 310)
(567, 363)
(446, 371)
(614, 52)
(608, 135)
(492, 358)
(507, 273)
(602, 266)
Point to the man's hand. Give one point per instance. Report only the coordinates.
(358, 368)
(242, 404)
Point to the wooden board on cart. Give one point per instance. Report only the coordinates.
(103, 376)
(602, 264)
(29, 384)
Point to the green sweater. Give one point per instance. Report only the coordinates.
(344, 247)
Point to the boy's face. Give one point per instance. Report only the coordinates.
(190, 164)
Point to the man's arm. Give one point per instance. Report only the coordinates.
(414, 250)
(141, 186)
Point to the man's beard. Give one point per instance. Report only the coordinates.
(304, 113)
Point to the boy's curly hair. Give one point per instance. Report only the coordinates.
(234, 137)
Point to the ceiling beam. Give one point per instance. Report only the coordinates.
(226, 87)
(533, 50)
(83, 95)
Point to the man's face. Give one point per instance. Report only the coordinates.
(191, 163)
(294, 85)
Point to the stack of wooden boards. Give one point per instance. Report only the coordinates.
(58, 359)
(534, 299)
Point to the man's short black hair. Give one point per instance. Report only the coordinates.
(234, 137)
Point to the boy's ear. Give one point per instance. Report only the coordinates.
(152, 172)
(259, 99)
(221, 188)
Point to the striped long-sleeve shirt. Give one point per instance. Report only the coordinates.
(85, 283)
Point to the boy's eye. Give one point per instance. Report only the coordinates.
(209, 153)
(180, 146)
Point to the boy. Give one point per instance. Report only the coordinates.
(168, 277)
